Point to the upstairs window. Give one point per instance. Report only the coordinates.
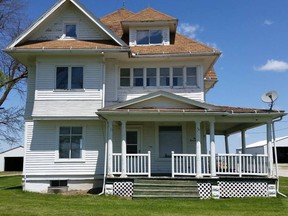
(164, 76)
(125, 77)
(70, 142)
(138, 76)
(146, 37)
(191, 76)
(70, 31)
(151, 77)
(69, 78)
(177, 76)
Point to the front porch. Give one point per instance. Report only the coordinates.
(186, 165)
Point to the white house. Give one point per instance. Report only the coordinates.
(12, 159)
(123, 96)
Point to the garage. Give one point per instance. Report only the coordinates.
(12, 159)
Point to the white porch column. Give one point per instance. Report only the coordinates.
(212, 149)
(198, 150)
(243, 140)
(123, 147)
(226, 143)
(110, 149)
(269, 149)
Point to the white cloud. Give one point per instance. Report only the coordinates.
(268, 22)
(189, 30)
(274, 65)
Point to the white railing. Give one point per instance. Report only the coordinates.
(136, 164)
(226, 164)
(241, 164)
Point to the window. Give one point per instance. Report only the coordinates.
(69, 78)
(151, 77)
(177, 76)
(125, 77)
(170, 139)
(70, 30)
(180, 77)
(70, 142)
(58, 183)
(164, 77)
(138, 77)
(191, 76)
(132, 142)
(149, 37)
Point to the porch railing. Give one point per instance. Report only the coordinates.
(136, 164)
(242, 164)
(226, 164)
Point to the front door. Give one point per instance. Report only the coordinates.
(170, 139)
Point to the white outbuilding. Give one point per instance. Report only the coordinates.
(261, 148)
(12, 159)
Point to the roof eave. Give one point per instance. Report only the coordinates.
(214, 53)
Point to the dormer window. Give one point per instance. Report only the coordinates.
(147, 37)
(70, 31)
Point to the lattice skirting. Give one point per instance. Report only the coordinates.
(243, 189)
(204, 190)
(123, 189)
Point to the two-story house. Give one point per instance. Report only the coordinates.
(122, 96)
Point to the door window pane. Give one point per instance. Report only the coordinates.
(62, 78)
(164, 77)
(77, 78)
(124, 77)
(191, 76)
(170, 139)
(177, 76)
(132, 142)
(138, 76)
(151, 74)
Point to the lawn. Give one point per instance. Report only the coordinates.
(13, 201)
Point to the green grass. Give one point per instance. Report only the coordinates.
(13, 201)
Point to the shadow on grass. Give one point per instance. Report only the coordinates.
(14, 188)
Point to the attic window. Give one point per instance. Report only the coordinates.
(70, 30)
(145, 37)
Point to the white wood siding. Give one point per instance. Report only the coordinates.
(115, 93)
(42, 144)
(50, 102)
(30, 92)
(52, 29)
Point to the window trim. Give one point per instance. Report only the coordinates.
(57, 146)
(69, 78)
(158, 77)
(149, 36)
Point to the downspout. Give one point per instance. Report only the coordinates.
(276, 156)
(105, 160)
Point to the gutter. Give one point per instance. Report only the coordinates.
(215, 53)
(71, 50)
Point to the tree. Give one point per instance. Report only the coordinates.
(12, 73)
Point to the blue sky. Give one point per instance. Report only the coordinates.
(252, 35)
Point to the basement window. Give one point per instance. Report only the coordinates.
(58, 183)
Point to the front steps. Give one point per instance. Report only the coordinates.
(165, 188)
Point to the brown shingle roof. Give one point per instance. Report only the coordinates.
(211, 74)
(149, 14)
(69, 44)
(113, 20)
(181, 45)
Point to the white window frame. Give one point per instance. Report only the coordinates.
(57, 146)
(158, 78)
(69, 78)
(149, 29)
(64, 36)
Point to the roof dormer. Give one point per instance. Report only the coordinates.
(149, 27)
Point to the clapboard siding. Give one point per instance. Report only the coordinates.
(53, 27)
(67, 108)
(42, 144)
(110, 82)
(30, 92)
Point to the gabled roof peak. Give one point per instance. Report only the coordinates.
(150, 14)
